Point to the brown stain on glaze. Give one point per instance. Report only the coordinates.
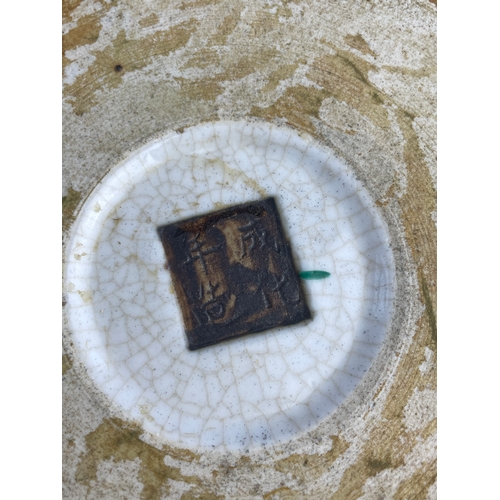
(282, 73)
(119, 441)
(382, 202)
(203, 89)
(69, 204)
(430, 429)
(376, 457)
(66, 363)
(424, 71)
(298, 105)
(418, 485)
(390, 440)
(359, 43)
(234, 175)
(342, 76)
(203, 58)
(376, 465)
(282, 493)
(86, 32)
(148, 21)
(194, 4)
(131, 55)
(303, 467)
(267, 21)
(225, 29)
(259, 60)
(86, 295)
(418, 203)
(430, 311)
(68, 6)
(345, 77)
(409, 376)
(209, 88)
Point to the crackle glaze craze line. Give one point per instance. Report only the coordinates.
(265, 388)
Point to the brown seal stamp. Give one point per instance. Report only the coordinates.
(233, 273)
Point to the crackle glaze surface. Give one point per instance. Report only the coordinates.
(124, 317)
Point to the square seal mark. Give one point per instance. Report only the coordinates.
(233, 273)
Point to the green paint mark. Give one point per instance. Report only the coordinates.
(314, 275)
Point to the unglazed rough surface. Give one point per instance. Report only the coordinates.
(125, 321)
(354, 79)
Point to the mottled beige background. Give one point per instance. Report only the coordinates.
(360, 77)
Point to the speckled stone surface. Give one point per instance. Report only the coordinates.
(356, 81)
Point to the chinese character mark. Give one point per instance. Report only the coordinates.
(253, 234)
(278, 288)
(196, 252)
(211, 306)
